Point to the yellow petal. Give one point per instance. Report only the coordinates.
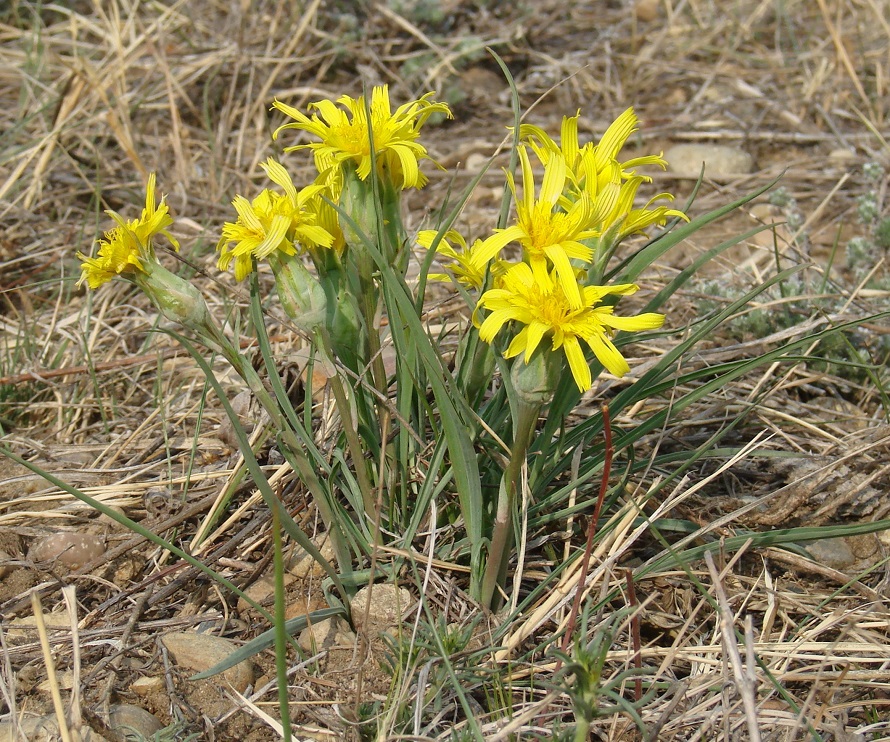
(608, 355)
(577, 363)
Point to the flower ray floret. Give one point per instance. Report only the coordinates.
(346, 136)
(548, 234)
(594, 169)
(465, 264)
(272, 221)
(128, 246)
(545, 310)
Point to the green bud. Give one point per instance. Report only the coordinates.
(175, 298)
(301, 295)
(344, 321)
(395, 239)
(476, 361)
(378, 221)
(535, 382)
(357, 201)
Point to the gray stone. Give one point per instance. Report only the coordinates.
(43, 729)
(5, 567)
(325, 634)
(832, 552)
(303, 566)
(721, 162)
(133, 722)
(379, 608)
(70, 549)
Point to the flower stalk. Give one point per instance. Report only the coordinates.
(534, 383)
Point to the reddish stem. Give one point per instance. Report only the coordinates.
(591, 528)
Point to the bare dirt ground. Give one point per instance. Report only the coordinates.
(94, 96)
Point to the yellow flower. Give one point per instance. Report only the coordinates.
(568, 148)
(550, 230)
(346, 136)
(593, 164)
(594, 169)
(624, 220)
(543, 309)
(328, 219)
(466, 266)
(128, 246)
(272, 221)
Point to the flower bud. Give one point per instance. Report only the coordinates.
(357, 202)
(535, 382)
(302, 296)
(175, 298)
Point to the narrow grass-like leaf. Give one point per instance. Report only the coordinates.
(259, 477)
(629, 270)
(135, 527)
(567, 394)
(400, 306)
(779, 537)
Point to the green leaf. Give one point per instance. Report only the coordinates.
(267, 639)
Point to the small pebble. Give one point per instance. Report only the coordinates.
(26, 626)
(832, 552)
(200, 652)
(5, 567)
(304, 566)
(147, 685)
(64, 681)
(133, 721)
(42, 729)
(843, 155)
(330, 632)
(68, 548)
(263, 588)
(387, 604)
(475, 162)
(646, 10)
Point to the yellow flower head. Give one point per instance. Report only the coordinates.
(128, 246)
(346, 136)
(594, 169)
(465, 265)
(272, 221)
(549, 229)
(591, 164)
(328, 219)
(543, 309)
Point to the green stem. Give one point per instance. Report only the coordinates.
(369, 304)
(214, 337)
(582, 730)
(280, 628)
(349, 429)
(502, 531)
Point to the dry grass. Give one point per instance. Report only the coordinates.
(756, 643)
